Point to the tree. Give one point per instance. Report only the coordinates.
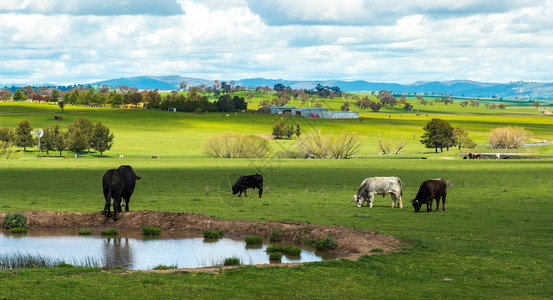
(61, 104)
(438, 134)
(408, 106)
(77, 141)
(460, 139)
(47, 140)
(18, 96)
(288, 131)
(86, 127)
(183, 85)
(239, 103)
(298, 130)
(59, 139)
(386, 98)
(23, 137)
(345, 106)
(536, 104)
(278, 128)
(102, 138)
(54, 96)
(5, 94)
(6, 134)
(224, 104)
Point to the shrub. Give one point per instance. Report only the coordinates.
(275, 256)
(151, 230)
(164, 267)
(232, 261)
(14, 220)
(326, 244)
(233, 145)
(507, 137)
(275, 236)
(314, 144)
(210, 234)
(292, 251)
(254, 240)
(85, 232)
(110, 232)
(18, 230)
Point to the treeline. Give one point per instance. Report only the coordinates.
(194, 102)
(81, 135)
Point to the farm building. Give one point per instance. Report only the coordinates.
(314, 112)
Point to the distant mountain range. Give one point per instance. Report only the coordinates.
(467, 88)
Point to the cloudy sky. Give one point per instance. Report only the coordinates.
(78, 41)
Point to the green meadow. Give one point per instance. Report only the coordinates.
(493, 240)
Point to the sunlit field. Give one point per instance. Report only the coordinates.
(493, 240)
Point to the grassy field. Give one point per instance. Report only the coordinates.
(493, 240)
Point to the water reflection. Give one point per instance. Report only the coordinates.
(117, 252)
(132, 250)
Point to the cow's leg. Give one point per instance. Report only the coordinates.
(107, 211)
(400, 201)
(443, 203)
(127, 204)
(371, 199)
(260, 188)
(116, 207)
(437, 203)
(429, 205)
(246, 192)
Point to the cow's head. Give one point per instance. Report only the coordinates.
(235, 189)
(416, 204)
(358, 199)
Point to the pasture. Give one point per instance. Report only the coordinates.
(493, 240)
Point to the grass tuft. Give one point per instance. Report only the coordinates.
(18, 230)
(253, 240)
(110, 232)
(85, 232)
(232, 261)
(211, 234)
(151, 230)
(326, 244)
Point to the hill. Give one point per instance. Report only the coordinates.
(467, 88)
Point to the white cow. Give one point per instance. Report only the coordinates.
(379, 186)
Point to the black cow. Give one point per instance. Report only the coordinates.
(118, 183)
(428, 191)
(248, 182)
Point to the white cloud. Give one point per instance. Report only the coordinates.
(233, 39)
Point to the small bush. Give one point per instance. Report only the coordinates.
(232, 261)
(18, 230)
(309, 242)
(326, 244)
(210, 234)
(275, 256)
(507, 137)
(14, 220)
(254, 240)
(164, 267)
(292, 251)
(233, 145)
(151, 230)
(110, 232)
(85, 232)
(273, 248)
(275, 236)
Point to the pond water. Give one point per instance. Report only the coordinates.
(131, 250)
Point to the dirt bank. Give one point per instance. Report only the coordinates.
(352, 242)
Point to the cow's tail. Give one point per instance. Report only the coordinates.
(401, 187)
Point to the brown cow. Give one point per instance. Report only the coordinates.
(428, 191)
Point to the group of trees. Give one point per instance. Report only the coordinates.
(81, 135)
(440, 134)
(194, 102)
(281, 129)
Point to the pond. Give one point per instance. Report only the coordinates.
(131, 250)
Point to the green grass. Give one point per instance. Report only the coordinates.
(253, 240)
(212, 234)
(491, 243)
(151, 230)
(110, 232)
(85, 232)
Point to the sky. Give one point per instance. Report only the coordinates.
(82, 41)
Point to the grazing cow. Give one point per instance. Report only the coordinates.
(118, 183)
(379, 186)
(428, 191)
(248, 182)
